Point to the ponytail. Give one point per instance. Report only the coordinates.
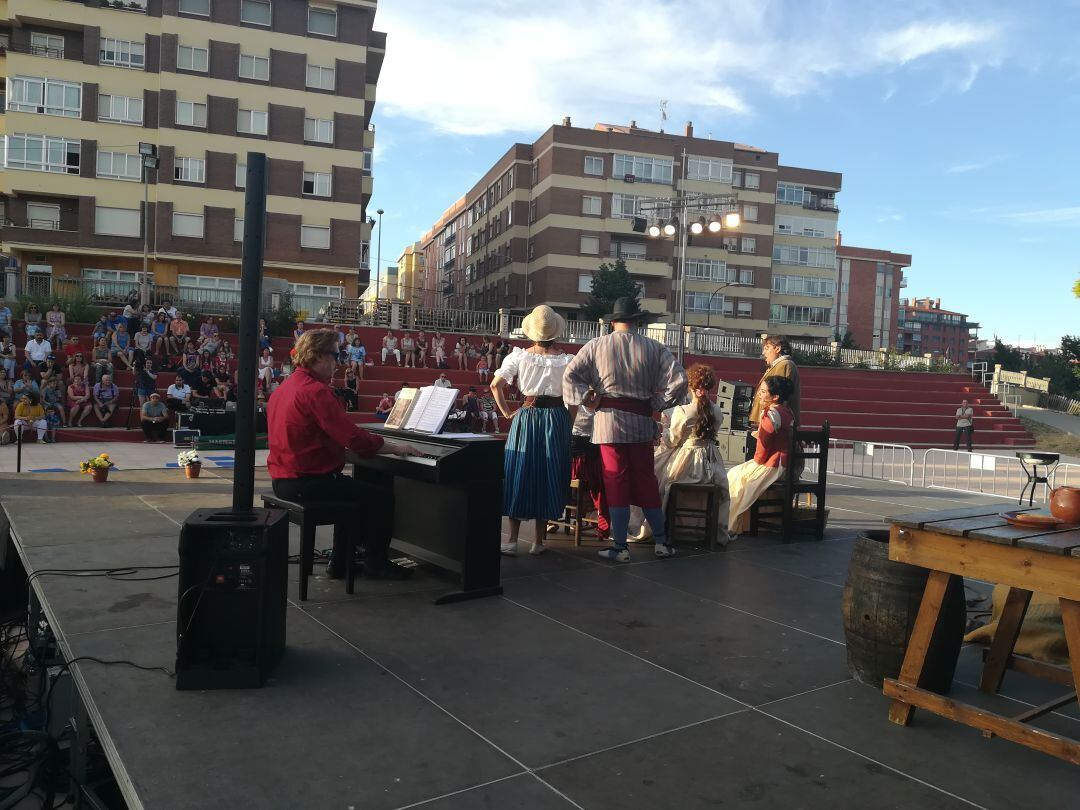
(701, 378)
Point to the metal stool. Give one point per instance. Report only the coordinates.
(1048, 461)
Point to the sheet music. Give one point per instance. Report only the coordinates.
(432, 406)
(402, 408)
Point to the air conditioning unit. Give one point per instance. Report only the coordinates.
(629, 178)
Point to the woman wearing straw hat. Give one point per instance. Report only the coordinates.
(537, 459)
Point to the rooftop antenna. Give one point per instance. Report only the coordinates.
(663, 113)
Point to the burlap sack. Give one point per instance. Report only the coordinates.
(1042, 636)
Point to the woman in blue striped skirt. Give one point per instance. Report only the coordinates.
(537, 459)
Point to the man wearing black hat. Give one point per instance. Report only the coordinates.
(624, 377)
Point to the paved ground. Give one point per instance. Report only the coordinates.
(65, 456)
(704, 681)
(1056, 419)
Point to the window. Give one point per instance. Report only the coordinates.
(251, 122)
(119, 165)
(626, 250)
(238, 230)
(716, 170)
(43, 153)
(318, 130)
(815, 316)
(594, 165)
(808, 257)
(209, 282)
(317, 184)
(187, 225)
(590, 244)
(315, 236)
(190, 114)
(706, 269)
(200, 7)
(329, 290)
(751, 180)
(48, 45)
(189, 58)
(122, 109)
(254, 67)
(746, 309)
(590, 206)
(749, 244)
(803, 285)
(644, 169)
(241, 175)
(122, 53)
(584, 283)
(368, 158)
(750, 213)
(117, 222)
(39, 215)
(322, 21)
(791, 194)
(48, 96)
(624, 206)
(321, 78)
(189, 170)
(805, 226)
(255, 11)
(127, 276)
(704, 302)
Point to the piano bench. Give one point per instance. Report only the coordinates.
(309, 516)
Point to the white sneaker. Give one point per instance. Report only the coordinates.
(615, 554)
(537, 549)
(509, 549)
(664, 550)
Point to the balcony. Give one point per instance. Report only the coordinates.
(816, 203)
(137, 6)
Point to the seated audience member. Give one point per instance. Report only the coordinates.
(170, 310)
(470, 404)
(501, 354)
(132, 318)
(122, 346)
(52, 395)
(386, 404)
(348, 391)
(145, 381)
(461, 354)
(7, 388)
(5, 422)
(101, 362)
(50, 370)
(30, 414)
(356, 356)
(225, 353)
(266, 340)
(421, 350)
(178, 395)
(748, 480)
(54, 420)
(144, 342)
(211, 344)
(7, 355)
(155, 419)
(146, 315)
(32, 322)
(77, 365)
(6, 327)
(389, 346)
(298, 332)
(287, 368)
(266, 367)
(190, 372)
(37, 352)
(78, 400)
(208, 328)
(482, 369)
(178, 335)
(25, 384)
(408, 350)
(442, 382)
(489, 414)
(106, 396)
(55, 326)
(101, 328)
(113, 321)
(206, 360)
(223, 391)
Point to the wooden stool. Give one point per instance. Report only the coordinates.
(574, 519)
(706, 521)
(309, 516)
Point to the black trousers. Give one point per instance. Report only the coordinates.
(960, 432)
(154, 431)
(374, 522)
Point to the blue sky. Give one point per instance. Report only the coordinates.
(955, 124)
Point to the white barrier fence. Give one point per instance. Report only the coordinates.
(875, 460)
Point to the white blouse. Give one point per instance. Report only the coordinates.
(536, 374)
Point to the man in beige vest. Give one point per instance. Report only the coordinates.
(776, 353)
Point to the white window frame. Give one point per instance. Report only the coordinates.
(198, 59)
(591, 206)
(31, 94)
(712, 170)
(238, 229)
(53, 216)
(247, 122)
(317, 125)
(645, 169)
(96, 274)
(369, 161)
(259, 3)
(125, 53)
(126, 105)
(134, 213)
(751, 180)
(750, 212)
(584, 283)
(196, 114)
(47, 45)
(597, 164)
(209, 282)
(325, 78)
(189, 219)
(189, 170)
(308, 230)
(745, 309)
(201, 3)
(621, 202)
(322, 10)
(628, 250)
(51, 147)
(748, 244)
(320, 184)
(704, 302)
(706, 269)
(119, 165)
(585, 244)
(240, 178)
(255, 62)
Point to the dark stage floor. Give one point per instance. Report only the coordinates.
(710, 680)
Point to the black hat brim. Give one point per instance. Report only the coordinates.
(615, 317)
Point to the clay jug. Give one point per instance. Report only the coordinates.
(1065, 504)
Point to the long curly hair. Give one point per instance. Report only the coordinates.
(702, 380)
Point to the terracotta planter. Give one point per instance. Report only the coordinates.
(193, 470)
(100, 474)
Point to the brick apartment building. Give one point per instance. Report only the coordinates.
(868, 294)
(547, 214)
(205, 81)
(925, 328)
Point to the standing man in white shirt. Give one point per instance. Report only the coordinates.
(965, 425)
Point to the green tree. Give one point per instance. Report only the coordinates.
(1009, 357)
(846, 341)
(1076, 288)
(609, 282)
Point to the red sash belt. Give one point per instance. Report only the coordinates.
(639, 406)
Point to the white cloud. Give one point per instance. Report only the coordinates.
(507, 65)
(964, 168)
(1069, 215)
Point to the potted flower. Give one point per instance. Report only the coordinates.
(98, 467)
(191, 463)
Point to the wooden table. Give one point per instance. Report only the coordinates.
(976, 542)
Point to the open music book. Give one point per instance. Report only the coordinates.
(423, 410)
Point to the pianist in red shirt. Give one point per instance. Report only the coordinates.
(311, 438)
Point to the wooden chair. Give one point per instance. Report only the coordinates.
(309, 516)
(575, 519)
(691, 522)
(781, 515)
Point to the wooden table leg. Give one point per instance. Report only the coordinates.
(1001, 648)
(1070, 617)
(929, 610)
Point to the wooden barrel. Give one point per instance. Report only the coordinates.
(881, 601)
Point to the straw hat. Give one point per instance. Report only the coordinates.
(543, 323)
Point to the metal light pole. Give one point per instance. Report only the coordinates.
(148, 156)
(378, 260)
(708, 314)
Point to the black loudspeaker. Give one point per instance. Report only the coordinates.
(233, 594)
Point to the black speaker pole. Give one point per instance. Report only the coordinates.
(248, 350)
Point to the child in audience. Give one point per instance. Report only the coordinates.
(482, 368)
(53, 421)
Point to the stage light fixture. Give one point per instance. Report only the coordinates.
(698, 226)
(655, 230)
(732, 219)
(715, 225)
(671, 227)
